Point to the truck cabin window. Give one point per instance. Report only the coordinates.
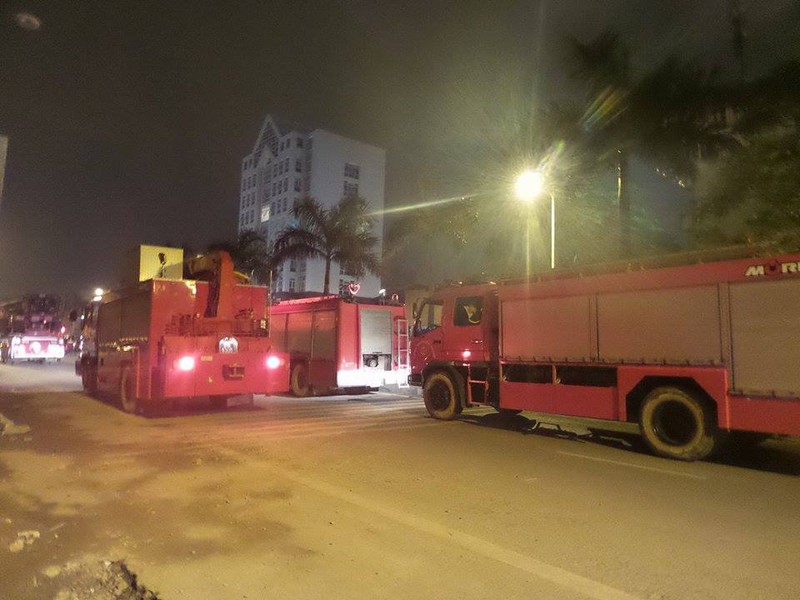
(428, 316)
(469, 311)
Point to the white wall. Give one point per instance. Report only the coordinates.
(330, 152)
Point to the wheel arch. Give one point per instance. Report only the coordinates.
(635, 397)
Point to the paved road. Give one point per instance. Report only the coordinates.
(366, 497)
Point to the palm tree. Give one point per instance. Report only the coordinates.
(341, 234)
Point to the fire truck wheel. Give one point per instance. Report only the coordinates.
(675, 424)
(127, 392)
(442, 394)
(299, 380)
(89, 379)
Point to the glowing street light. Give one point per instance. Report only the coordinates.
(98, 295)
(528, 187)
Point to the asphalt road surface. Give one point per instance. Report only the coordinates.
(366, 497)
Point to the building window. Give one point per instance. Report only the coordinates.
(298, 166)
(284, 205)
(285, 184)
(265, 213)
(291, 285)
(351, 170)
(293, 266)
(296, 185)
(350, 189)
(299, 142)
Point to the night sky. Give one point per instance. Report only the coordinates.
(128, 120)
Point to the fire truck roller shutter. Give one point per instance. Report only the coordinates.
(376, 339)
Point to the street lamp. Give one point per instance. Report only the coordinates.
(528, 187)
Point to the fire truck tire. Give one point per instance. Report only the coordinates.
(442, 394)
(299, 380)
(127, 392)
(675, 424)
(89, 379)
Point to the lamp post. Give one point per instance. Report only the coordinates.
(529, 186)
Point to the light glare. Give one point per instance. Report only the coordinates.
(185, 363)
(529, 186)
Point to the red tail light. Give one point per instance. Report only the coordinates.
(185, 363)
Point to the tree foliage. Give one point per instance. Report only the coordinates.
(751, 192)
(250, 253)
(668, 116)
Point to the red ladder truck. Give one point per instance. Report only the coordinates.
(338, 344)
(165, 339)
(692, 353)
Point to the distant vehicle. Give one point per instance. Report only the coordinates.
(164, 339)
(338, 344)
(30, 329)
(694, 353)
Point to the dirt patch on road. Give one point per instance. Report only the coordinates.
(95, 579)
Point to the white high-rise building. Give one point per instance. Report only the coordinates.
(288, 163)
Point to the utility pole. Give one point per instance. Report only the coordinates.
(3, 156)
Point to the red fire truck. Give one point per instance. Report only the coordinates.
(166, 339)
(341, 344)
(693, 353)
(31, 330)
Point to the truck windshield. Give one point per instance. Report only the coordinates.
(428, 316)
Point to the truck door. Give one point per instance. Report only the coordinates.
(463, 334)
(427, 333)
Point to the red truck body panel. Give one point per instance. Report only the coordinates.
(345, 344)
